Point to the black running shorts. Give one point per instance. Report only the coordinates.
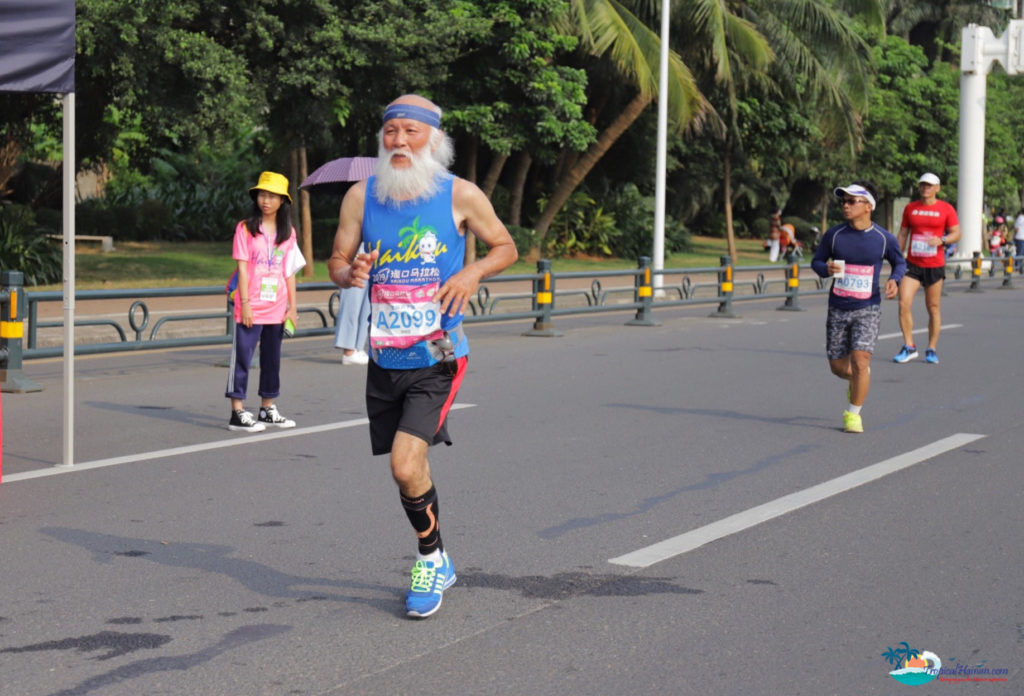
(926, 276)
(413, 401)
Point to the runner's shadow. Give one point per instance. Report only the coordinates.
(735, 415)
(573, 584)
(163, 413)
(215, 558)
(233, 640)
(643, 506)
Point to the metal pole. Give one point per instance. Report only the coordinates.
(69, 279)
(662, 157)
(973, 76)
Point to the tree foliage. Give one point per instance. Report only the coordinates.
(912, 121)
(549, 101)
(1004, 157)
(165, 70)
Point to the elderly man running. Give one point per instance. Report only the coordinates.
(412, 216)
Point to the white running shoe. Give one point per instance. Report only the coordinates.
(357, 358)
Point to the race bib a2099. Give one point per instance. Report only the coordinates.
(403, 315)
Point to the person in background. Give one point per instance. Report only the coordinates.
(352, 328)
(267, 255)
(1018, 234)
(929, 224)
(996, 243)
(781, 238)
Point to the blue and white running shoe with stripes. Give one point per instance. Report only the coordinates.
(429, 581)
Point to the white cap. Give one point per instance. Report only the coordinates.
(855, 190)
(928, 178)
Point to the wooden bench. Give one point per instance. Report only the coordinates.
(106, 242)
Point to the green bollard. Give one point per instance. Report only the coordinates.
(12, 329)
(792, 303)
(643, 294)
(543, 301)
(1007, 273)
(724, 290)
(975, 273)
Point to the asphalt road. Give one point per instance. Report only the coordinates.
(178, 558)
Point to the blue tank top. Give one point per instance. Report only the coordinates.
(419, 248)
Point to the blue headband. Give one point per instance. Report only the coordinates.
(416, 113)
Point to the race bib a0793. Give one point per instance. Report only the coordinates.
(403, 315)
(856, 282)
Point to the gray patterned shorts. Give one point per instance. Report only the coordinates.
(848, 330)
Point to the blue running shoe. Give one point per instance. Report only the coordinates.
(429, 581)
(930, 356)
(906, 354)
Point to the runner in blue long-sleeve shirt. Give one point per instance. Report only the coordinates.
(853, 253)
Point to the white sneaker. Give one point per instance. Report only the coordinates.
(358, 358)
(270, 416)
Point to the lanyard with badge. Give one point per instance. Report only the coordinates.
(268, 283)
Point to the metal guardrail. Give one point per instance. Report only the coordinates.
(139, 315)
(639, 293)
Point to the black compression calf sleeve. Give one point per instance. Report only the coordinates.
(422, 512)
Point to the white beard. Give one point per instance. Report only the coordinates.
(418, 181)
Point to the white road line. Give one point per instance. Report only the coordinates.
(192, 449)
(739, 522)
(918, 331)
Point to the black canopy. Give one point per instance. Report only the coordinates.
(37, 46)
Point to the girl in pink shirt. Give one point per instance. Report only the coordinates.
(267, 254)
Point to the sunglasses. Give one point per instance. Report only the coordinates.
(853, 201)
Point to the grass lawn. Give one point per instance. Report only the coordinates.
(169, 264)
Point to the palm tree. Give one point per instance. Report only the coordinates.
(732, 43)
(812, 44)
(608, 29)
(906, 652)
(738, 56)
(891, 656)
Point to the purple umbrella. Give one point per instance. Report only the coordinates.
(335, 176)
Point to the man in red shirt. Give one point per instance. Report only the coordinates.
(930, 225)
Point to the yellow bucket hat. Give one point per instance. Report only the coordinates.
(272, 182)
